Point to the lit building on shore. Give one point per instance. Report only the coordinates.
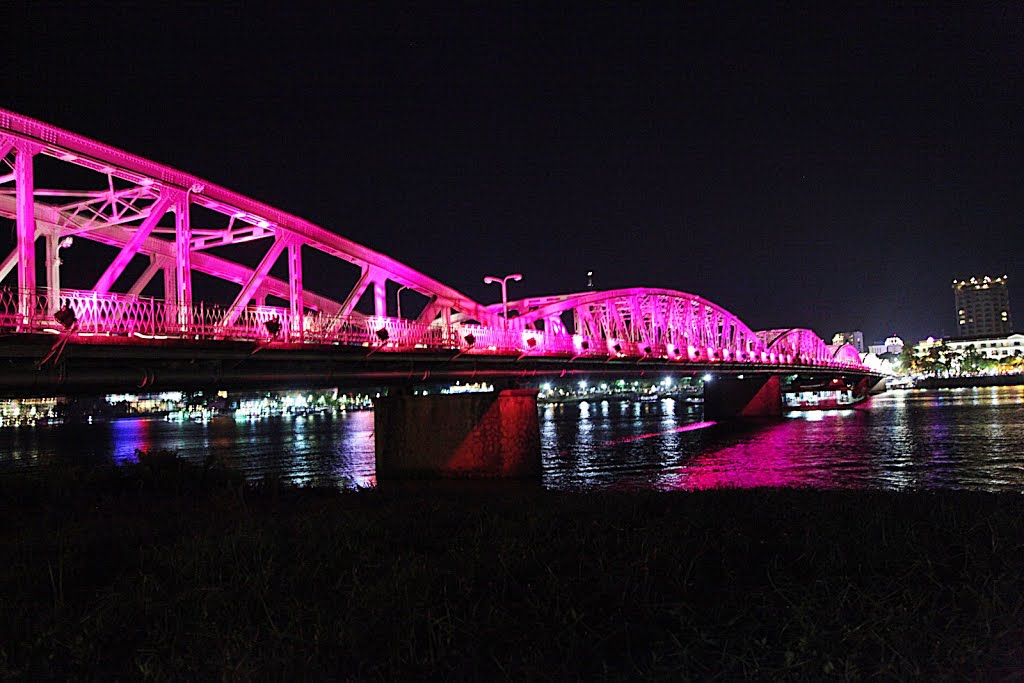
(27, 410)
(982, 307)
(922, 347)
(892, 345)
(997, 348)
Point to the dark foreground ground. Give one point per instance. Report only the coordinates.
(163, 571)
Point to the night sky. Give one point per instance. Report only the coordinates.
(833, 171)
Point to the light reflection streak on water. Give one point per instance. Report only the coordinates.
(685, 428)
(906, 439)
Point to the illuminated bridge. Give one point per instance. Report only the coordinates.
(154, 232)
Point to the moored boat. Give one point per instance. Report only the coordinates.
(834, 397)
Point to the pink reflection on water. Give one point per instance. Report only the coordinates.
(790, 453)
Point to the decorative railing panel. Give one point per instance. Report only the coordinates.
(143, 211)
(89, 313)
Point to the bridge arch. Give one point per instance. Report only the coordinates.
(847, 354)
(183, 224)
(168, 222)
(640, 322)
(798, 346)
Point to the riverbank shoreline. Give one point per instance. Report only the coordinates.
(970, 382)
(173, 571)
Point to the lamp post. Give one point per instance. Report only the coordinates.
(398, 299)
(503, 281)
(56, 243)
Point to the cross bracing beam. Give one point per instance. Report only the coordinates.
(100, 210)
(152, 269)
(646, 316)
(207, 239)
(72, 148)
(638, 323)
(163, 250)
(6, 145)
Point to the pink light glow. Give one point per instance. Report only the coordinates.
(766, 458)
(707, 331)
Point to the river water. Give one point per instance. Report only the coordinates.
(904, 439)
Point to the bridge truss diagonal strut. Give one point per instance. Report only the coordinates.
(149, 219)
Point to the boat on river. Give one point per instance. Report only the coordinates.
(829, 397)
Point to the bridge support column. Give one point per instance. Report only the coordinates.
(495, 435)
(183, 263)
(728, 396)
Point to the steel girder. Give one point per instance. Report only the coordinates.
(800, 346)
(129, 208)
(132, 189)
(846, 354)
(653, 319)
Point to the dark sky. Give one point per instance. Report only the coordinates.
(832, 170)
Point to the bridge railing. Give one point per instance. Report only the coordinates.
(89, 313)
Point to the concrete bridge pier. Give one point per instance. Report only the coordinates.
(729, 396)
(475, 435)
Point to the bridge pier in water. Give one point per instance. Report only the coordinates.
(754, 395)
(476, 435)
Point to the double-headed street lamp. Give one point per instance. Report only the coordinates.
(503, 281)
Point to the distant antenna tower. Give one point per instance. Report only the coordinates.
(590, 279)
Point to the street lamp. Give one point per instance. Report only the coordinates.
(53, 268)
(503, 281)
(398, 298)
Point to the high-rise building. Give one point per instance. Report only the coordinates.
(856, 338)
(982, 307)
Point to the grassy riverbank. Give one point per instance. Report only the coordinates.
(172, 573)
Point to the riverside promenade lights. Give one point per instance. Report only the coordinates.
(503, 281)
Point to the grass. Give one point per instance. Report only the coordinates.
(170, 571)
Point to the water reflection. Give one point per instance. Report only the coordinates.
(902, 440)
(321, 450)
(970, 438)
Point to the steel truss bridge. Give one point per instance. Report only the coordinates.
(160, 227)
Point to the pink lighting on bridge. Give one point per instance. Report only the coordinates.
(132, 200)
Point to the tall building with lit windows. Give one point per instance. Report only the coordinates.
(982, 307)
